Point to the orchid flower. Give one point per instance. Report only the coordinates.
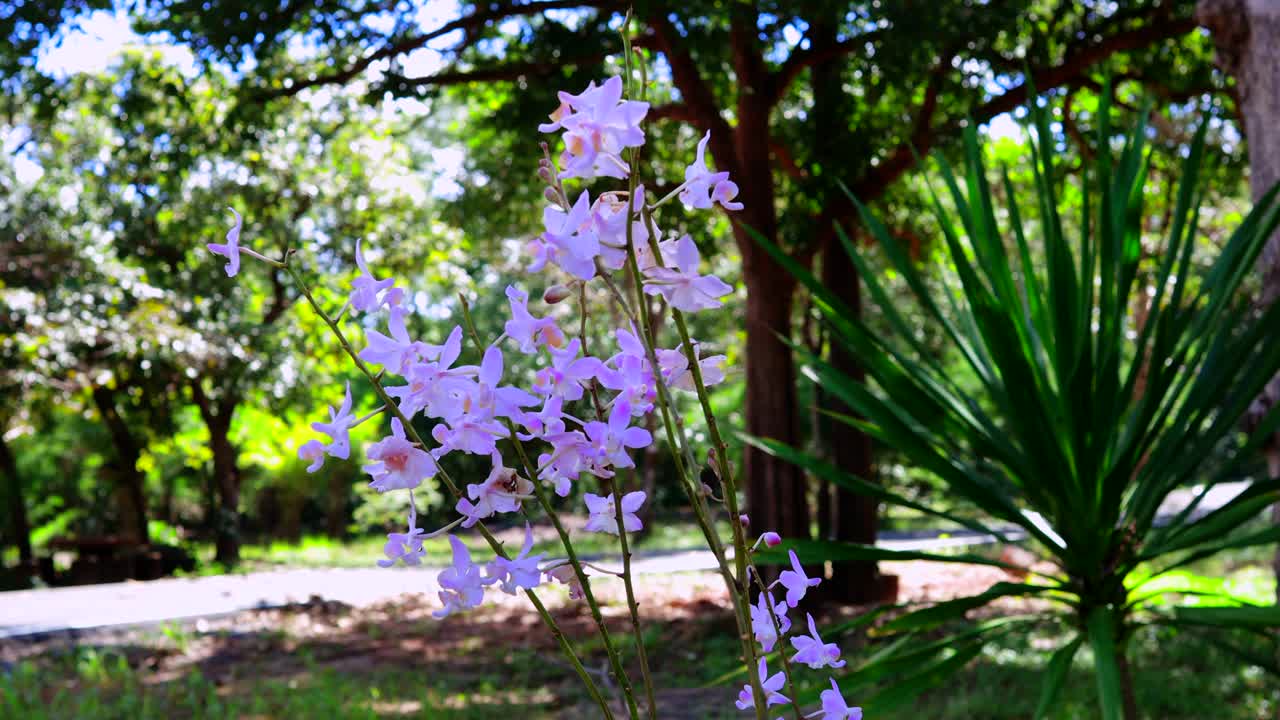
(834, 707)
(368, 292)
(795, 581)
(312, 450)
(461, 583)
(682, 286)
(405, 546)
(528, 331)
(603, 516)
(770, 684)
(762, 621)
(338, 428)
(519, 572)
(702, 187)
(398, 352)
(397, 463)
(811, 651)
(231, 249)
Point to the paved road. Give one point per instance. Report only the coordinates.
(40, 612)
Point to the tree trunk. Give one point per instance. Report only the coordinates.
(226, 478)
(1247, 36)
(335, 519)
(126, 474)
(17, 504)
(776, 491)
(775, 488)
(856, 516)
(226, 472)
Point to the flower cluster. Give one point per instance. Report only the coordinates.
(770, 622)
(581, 415)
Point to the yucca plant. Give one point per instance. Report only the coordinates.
(1082, 422)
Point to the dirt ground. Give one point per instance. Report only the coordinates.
(683, 609)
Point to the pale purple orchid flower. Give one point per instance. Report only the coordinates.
(398, 352)
(501, 492)
(770, 684)
(312, 450)
(762, 621)
(565, 574)
(598, 125)
(368, 292)
(603, 516)
(568, 240)
(404, 547)
(811, 651)
(676, 372)
(610, 442)
(461, 583)
(682, 286)
(795, 581)
(568, 372)
(231, 248)
(702, 187)
(609, 220)
(338, 428)
(528, 331)
(835, 708)
(397, 463)
(518, 573)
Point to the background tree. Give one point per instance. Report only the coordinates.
(1247, 36)
(757, 77)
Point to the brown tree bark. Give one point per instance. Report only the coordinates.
(776, 491)
(226, 472)
(335, 517)
(125, 466)
(854, 518)
(1247, 36)
(17, 503)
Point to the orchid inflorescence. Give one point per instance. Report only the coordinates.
(475, 413)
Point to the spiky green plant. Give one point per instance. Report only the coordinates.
(1081, 424)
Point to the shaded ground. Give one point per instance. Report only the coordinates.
(393, 660)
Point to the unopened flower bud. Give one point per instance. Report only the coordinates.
(746, 521)
(772, 539)
(707, 491)
(544, 173)
(555, 294)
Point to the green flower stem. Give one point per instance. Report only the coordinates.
(685, 465)
(615, 659)
(494, 543)
(632, 606)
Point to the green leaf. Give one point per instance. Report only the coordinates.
(1055, 675)
(1102, 637)
(1245, 616)
(949, 610)
(817, 551)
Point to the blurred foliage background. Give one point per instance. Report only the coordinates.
(147, 395)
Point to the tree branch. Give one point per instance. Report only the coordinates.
(470, 23)
(511, 71)
(672, 111)
(1072, 71)
(787, 73)
(703, 109)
